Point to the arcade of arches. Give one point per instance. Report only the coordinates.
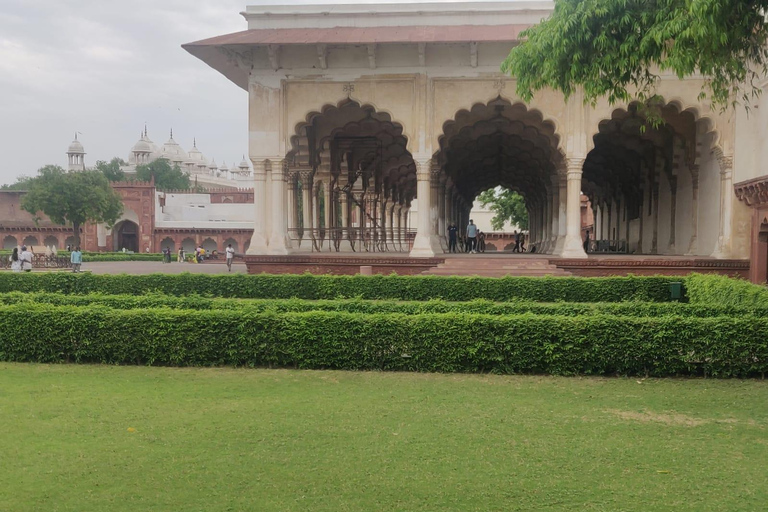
(349, 181)
(371, 130)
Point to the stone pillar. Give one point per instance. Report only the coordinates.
(396, 225)
(562, 183)
(693, 245)
(655, 198)
(723, 249)
(426, 244)
(292, 204)
(442, 212)
(573, 246)
(279, 242)
(306, 192)
(259, 239)
(548, 221)
(672, 213)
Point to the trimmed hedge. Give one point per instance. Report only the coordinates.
(717, 289)
(478, 306)
(595, 345)
(313, 287)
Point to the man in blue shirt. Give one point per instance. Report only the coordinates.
(76, 257)
(472, 236)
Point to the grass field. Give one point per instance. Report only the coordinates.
(96, 438)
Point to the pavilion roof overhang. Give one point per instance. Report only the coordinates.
(209, 50)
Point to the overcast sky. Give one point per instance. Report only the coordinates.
(104, 68)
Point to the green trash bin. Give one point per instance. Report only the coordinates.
(676, 291)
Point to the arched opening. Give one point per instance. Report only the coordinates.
(350, 180)
(209, 244)
(168, 243)
(10, 242)
(51, 241)
(644, 184)
(189, 246)
(127, 236)
(233, 243)
(31, 241)
(496, 144)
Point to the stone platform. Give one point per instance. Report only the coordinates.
(493, 265)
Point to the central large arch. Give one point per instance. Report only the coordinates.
(498, 143)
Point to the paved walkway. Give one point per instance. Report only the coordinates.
(153, 267)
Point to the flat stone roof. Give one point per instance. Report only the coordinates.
(368, 35)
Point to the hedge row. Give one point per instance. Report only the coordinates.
(717, 289)
(479, 306)
(595, 345)
(307, 286)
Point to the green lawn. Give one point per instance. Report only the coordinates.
(95, 438)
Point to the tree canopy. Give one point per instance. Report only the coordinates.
(167, 177)
(506, 206)
(615, 48)
(111, 169)
(72, 197)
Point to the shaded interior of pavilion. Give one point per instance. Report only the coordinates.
(352, 182)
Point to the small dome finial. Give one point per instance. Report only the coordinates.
(194, 142)
(171, 132)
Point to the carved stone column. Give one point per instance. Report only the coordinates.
(258, 243)
(279, 243)
(305, 175)
(693, 244)
(723, 249)
(292, 204)
(672, 213)
(562, 184)
(573, 247)
(425, 245)
(441, 212)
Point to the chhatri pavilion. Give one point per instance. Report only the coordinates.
(359, 111)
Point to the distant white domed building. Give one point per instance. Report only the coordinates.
(194, 162)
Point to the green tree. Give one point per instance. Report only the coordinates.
(22, 183)
(111, 169)
(72, 197)
(506, 205)
(167, 177)
(615, 48)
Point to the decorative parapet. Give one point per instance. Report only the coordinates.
(753, 192)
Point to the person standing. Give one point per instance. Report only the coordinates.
(453, 233)
(76, 257)
(522, 242)
(472, 236)
(15, 260)
(517, 242)
(230, 257)
(586, 242)
(180, 256)
(26, 259)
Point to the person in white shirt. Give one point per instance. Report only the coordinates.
(472, 236)
(230, 257)
(26, 259)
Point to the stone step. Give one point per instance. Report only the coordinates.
(477, 265)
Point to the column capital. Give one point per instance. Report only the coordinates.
(423, 168)
(724, 159)
(305, 175)
(574, 165)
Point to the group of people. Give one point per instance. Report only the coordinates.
(199, 256)
(474, 241)
(21, 261)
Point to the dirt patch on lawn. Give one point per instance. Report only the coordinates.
(671, 419)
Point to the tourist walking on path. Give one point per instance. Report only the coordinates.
(230, 257)
(15, 260)
(472, 236)
(517, 242)
(453, 233)
(76, 257)
(522, 242)
(26, 259)
(180, 256)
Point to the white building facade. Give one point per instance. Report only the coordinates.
(358, 111)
